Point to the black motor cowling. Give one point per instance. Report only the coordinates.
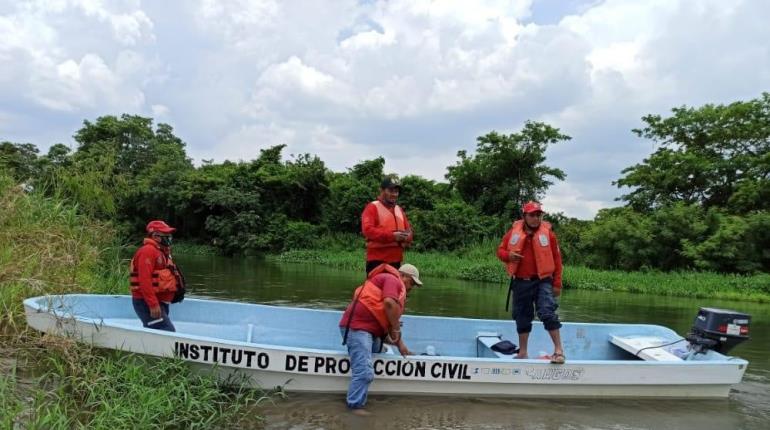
(718, 329)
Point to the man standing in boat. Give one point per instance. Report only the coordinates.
(374, 315)
(532, 258)
(155, 280)
(385, 227)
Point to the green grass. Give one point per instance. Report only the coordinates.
(115, 390)
(47, 247)
(479, 263)
(110, 386)
(11, 405)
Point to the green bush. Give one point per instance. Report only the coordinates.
(740, 244)
(449, 226)
(300, 235)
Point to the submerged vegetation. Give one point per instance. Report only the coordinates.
(48, 247)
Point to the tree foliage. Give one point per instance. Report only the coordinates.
(19, 160)
(714, 156)
(699, 201)
(507, 170)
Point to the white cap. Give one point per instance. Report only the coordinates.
(409, 269)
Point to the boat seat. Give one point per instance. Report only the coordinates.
(486, 339)
(644, 347)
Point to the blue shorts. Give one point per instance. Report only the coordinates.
(530, 295)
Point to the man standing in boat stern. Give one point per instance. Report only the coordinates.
(374, 314)
(532, 258)
(385, 227)
(153, 280)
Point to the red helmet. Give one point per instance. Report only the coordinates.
(160, 227)
(530, 207)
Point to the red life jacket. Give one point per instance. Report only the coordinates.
(541, 245)
(370, 295)
(389, 220)
(163, 280)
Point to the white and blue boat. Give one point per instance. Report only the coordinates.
(300, 350)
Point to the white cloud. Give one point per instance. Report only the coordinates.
(572, 201)
(159, 111)
(368, 40)
(413, 81)
(41, 67)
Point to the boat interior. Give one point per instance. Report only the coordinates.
(311, 329)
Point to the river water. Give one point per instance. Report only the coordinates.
(314, 286)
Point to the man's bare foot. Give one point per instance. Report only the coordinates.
(361, 412)
(520, 356)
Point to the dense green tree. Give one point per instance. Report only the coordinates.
(137, 167)
(349, 193)
(19, 160)
(421, 193)
(507, 170)
(449, 226)
(740, 244)
(700, 200)
(705, 156)
(619, 238)
(568, 231)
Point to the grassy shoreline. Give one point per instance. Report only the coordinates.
(480, 264)
(47, 382)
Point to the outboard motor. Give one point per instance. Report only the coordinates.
(718, 329)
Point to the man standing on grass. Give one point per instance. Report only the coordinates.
(533, 260)
(385, 227)
(374, 315)
(155, 280)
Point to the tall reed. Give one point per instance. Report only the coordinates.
(48, 247)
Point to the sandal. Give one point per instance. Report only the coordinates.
(558, 358)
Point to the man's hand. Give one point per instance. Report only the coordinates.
(155, 311)
(401, 235)
(514, 256)
(403, 349)
(393, 337)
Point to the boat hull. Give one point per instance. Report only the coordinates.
(316, 370)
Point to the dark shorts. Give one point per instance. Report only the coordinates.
(143, 312)
(531, 295)
(370, 265)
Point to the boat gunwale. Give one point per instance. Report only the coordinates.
(34, 304)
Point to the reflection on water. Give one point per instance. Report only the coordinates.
(252, 280)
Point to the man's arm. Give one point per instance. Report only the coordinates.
(408, 227)
(144, 263)
(558, 265)
(393, 312)
(371, 230)
(502, 250)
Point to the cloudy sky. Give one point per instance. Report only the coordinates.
(414, 81)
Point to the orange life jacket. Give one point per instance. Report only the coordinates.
(163, 280)
(370, 295)
(541, 245)
(392, 221)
